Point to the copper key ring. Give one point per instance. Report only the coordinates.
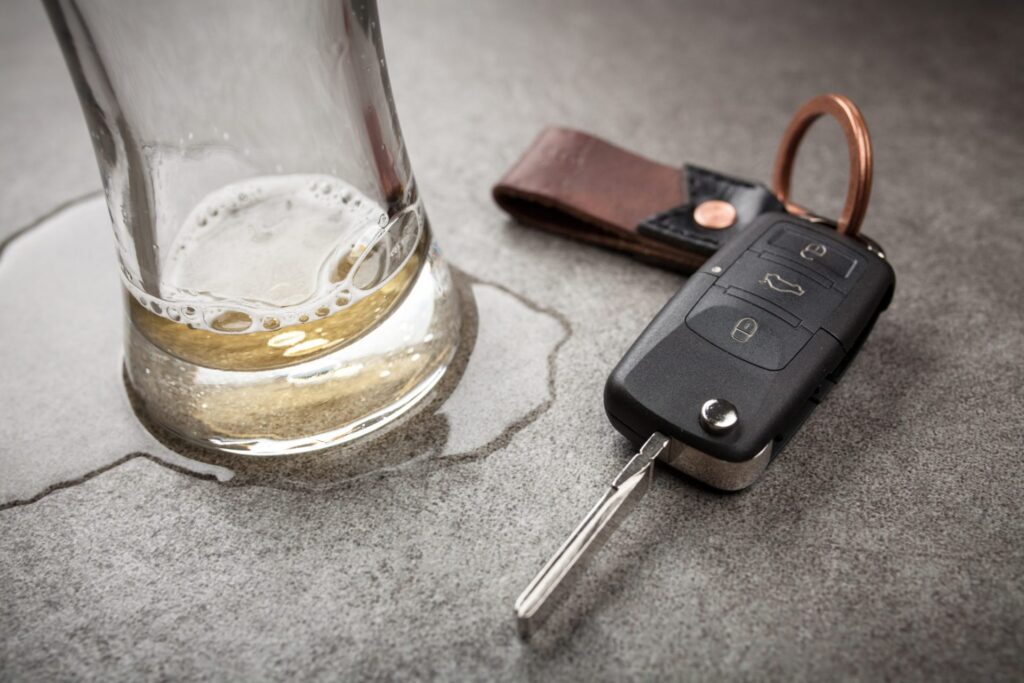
(857, 139)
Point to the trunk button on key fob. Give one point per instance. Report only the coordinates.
(795, 292)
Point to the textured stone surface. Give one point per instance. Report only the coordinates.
(885, 543)
(61, 371)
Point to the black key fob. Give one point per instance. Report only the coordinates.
(740, 356)
(730, 368)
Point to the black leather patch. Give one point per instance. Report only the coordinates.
(677, 226)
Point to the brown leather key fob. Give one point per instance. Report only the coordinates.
(579, 186)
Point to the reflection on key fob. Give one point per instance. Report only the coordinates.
(741, 355)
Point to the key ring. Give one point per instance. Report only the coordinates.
(857, 139)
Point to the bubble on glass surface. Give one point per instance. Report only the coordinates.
(371, 271)
(231, 321)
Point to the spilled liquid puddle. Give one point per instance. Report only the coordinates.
(68, 416)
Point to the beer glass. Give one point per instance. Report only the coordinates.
(283, 292)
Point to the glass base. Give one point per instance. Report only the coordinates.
(327, 401)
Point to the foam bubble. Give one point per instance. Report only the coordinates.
(231, 321)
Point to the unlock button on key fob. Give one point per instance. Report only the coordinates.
(746, 331)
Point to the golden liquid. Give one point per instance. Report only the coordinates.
(268, 349)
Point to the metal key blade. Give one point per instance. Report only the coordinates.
(543, 593)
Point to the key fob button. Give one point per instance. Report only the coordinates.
(746, 331)
(791, 290)
(815, 252)
(718, 416)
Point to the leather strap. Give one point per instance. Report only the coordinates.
(679, 227)
(579, 186)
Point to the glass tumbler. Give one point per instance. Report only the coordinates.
(283, 290)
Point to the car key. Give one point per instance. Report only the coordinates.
(729, 369)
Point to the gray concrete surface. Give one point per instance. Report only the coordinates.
(886, 543)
